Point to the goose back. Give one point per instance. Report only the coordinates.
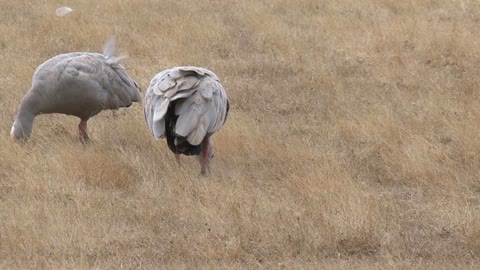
(81, 84)
(185, 104)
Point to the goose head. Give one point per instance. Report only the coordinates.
(20, 131)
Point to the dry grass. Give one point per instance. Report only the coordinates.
(352, 140)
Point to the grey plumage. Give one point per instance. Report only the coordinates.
(80, 84)
(186, 105)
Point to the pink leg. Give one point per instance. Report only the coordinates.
(82, 131)
(177, 157)
(204, 159)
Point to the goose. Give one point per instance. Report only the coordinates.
(80, 84)
(187, 105)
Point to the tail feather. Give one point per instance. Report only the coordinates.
(109, 50)
(109, 47)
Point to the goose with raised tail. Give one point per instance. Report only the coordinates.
(81, 84)
(187, 105)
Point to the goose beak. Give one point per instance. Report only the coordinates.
(16, 138)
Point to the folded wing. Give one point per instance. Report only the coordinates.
(197, 97)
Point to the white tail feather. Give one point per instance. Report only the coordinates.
(109, 47)
(109, 50)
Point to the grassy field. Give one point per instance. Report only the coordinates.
(352, 143)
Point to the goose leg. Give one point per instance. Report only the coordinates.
(177, 157)
(82, 130)
(204, 159)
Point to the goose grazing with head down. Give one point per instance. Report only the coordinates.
(186, 105)
(81, 84)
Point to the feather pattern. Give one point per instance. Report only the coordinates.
(80, 84)
(196, 99)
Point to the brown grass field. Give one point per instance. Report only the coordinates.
(353, 139)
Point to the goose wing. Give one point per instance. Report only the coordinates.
(119, 88)
(199, 99)
(90, 76)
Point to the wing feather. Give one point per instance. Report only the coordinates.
(159, 129)
(161, 107)
(187, 82)
(196, 136)
(182, 105)
(200, 102)
(188, 121)
(184, 94)
(171, 92)
(165, 83)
